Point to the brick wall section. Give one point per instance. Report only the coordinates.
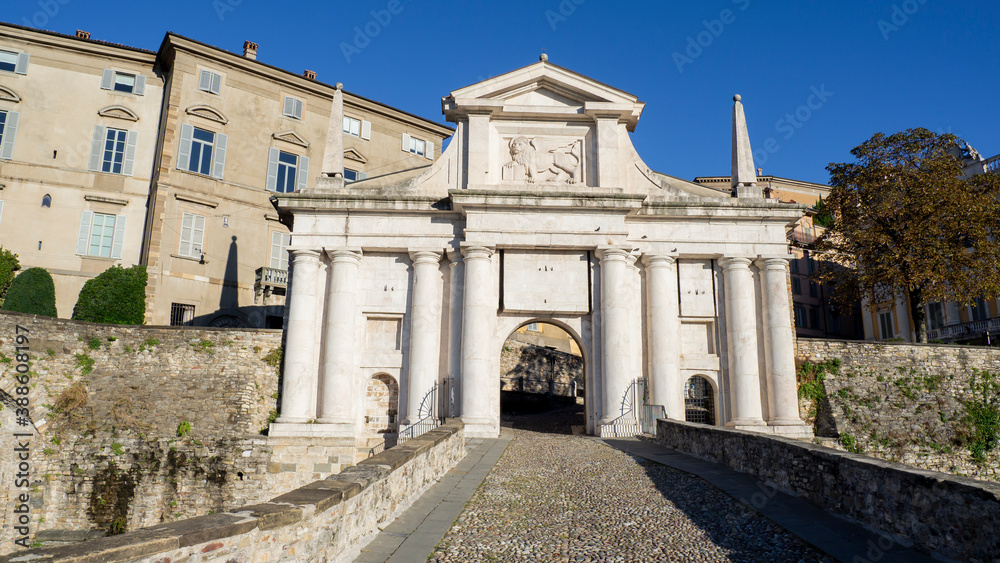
(956, 517)
(115, 459)
(537, 366)
(903, 402)
(326, 520)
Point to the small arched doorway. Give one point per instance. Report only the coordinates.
(699, 401)
(381, 410)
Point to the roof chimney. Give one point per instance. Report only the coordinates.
(83, 34)
(250, 50)
(310, 74)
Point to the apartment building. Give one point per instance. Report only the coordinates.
(116, 155)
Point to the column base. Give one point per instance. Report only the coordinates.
(746, 423)
(619, 430)
(796, 429)
(481, 427)
(310, 430)
(292, 420)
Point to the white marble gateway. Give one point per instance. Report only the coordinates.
(540, 210)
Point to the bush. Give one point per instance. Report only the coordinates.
(117, 296)
(8, 265)
(32, 292)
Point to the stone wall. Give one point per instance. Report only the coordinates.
(901, 402)
(955, 517)
(110, 450)
(543, 370)
(326, 520)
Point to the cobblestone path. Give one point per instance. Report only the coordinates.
(555, 497)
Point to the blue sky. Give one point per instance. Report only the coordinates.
(817, 77)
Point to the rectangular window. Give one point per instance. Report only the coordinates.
(8, 131)
(935, 316)
(8, 61)
(813, 317)
(124, 82)
(978, 311)
(203, 152)
(533, 327)
(181, 314)
(795, 265)
(287, 166)
(202, 143)
(352, 126)
(800, 317)
(286, 172)
(796, 286)
(210, 81)
(101, 234)
(885, 324)
(114, 151)
(813, 290)
(192, 235)
(292, 108)
(417, 146)
(279, 250)
(350, 175)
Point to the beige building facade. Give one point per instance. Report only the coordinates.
(115, 155)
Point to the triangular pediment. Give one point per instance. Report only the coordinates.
(118, 112)
(292, 137)
(353, 154)
(546, 83)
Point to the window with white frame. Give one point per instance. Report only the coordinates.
(279, 250)
(353, 175)
(202, 151)
(885, 325)
(210, 81)
(533, 327)
(123, 82)
(101, 235)
(113, 150)
(13, 61)
(358, 127)
(418, 147)
(979, 311)
(286, 172)
(292, 108)
(192, 235)
(935, 316)
(8, 131)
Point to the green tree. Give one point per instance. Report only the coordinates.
(906, 222)
(8, 265)
(117, 296)
(32, 291)
(823, 217)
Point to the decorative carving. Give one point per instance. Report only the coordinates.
(562, 162)
(208, 112)
(118, 112)
(292, 137)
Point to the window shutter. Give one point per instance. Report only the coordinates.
(430, 150)
(272, 169)
(97, 148)
(218, 168)
(119, 240)
(406, 142)
(362, 175)
(9, 132)
(130, 144)
(184, 149)
(186, 226)
(198, 234)
(276, 249)
(205, 81)
(83, 241)
(366, 130)
(22, 63)
(140, 85)
(107, 79)
(216, 83)
(298, 108)
(303, 172)
(288, 109)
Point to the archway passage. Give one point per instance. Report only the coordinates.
(542, 371)
(381, 410)
(699, 401)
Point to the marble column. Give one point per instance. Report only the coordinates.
(340, 325)
(455, 284)
(425, 331)
(615, 333)
(779, 346)
(298, 394)
(741, 336)
(479, 318)
(664, 335)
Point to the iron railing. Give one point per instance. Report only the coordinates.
(428, 414)
(637, 415)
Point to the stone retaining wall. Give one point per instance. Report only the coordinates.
(902, 402)
(954, 517)
(327, 520)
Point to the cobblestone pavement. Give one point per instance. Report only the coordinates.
(554, 497)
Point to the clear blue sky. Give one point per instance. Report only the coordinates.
(882, 65)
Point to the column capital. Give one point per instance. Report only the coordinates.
(343, 254)
(300, 255)
(735, 262)
(614, 254)
(477, 252)
(426, 256)
(772, 263)
(658, 260)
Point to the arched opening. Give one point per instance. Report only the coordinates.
(699, 401)
(542, 371)
(381, 410)
(46, 200)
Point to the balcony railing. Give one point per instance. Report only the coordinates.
(266, 281)
(966, 331)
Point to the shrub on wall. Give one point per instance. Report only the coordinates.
(32, 291)
(8, 265)
(117, 296)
